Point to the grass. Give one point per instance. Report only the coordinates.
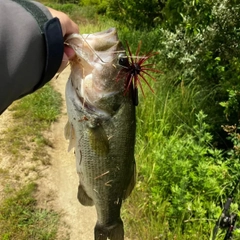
(25, 140)
(33, 114)
(80, 15)
(85, 16)
(21, 219)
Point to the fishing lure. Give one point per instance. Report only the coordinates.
(134, 69)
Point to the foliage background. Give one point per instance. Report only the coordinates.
(187, 148)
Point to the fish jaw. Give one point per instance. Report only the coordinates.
(95, 66)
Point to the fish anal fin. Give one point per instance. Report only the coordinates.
(83, 198)
(132, 182)
(113, 232)
(70, 135)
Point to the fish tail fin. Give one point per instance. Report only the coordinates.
(113, 232)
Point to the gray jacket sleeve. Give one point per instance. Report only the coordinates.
(30, 54)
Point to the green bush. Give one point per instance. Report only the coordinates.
(183, 181)
(191, 174)
(198, 46)
(136, 14)
(205, 55)
(68, 8)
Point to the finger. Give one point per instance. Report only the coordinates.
(68, 54)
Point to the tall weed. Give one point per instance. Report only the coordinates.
(183, 181)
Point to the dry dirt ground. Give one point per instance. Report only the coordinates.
(59, 181)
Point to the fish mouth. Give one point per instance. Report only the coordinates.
(94, 71)
(102, 47)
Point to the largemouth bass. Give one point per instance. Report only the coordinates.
(101, 128)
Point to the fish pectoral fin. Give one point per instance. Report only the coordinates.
(67, 130)
(70, 135)
(83, 198)
(132, 182)
(99, 140)
(113, 232)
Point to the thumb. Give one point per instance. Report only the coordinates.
(69, 52)
(67, 55)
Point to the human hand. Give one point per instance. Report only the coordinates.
(68, 27)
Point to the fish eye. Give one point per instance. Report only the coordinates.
(123, 60)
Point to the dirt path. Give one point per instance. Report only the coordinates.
(57, 182)
(61, 180)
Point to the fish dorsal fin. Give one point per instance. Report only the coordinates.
(132, 183)
(70, 135)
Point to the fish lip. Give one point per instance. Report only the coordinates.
(104, 34)
(92, 43)
(95, 52)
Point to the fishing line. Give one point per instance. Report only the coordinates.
(95, 53)
(92, 50)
